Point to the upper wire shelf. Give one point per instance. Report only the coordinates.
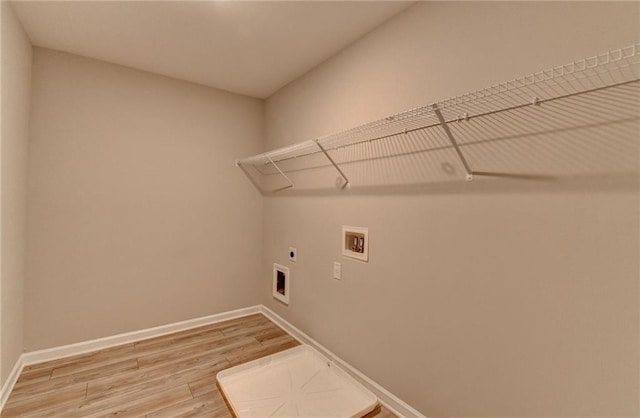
(592, 92)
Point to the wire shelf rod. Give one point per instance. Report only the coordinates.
(586, 112)
(290, 186)
(597, 84)
(447, 131)
(465, 118)
(463, 145)
(334, 164)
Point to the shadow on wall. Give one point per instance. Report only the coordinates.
(564, 141)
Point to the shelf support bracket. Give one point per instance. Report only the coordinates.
(467, 169)
(346, 180)
(290, 186)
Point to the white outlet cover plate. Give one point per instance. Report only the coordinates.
(293, 254)
(337, 271)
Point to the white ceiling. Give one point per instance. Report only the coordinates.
(250, 48)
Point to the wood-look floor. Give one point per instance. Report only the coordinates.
(169, 376)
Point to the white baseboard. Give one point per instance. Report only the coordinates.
(56, 353)
(6, 389)
(129, 337)
(388, 399)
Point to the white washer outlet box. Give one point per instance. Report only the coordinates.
(355, 242)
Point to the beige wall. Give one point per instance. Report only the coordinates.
(137, 214)
(484, 299)
(15, 80)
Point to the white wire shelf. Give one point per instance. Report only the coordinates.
(586, 106)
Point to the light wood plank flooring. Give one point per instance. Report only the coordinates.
(169, 376)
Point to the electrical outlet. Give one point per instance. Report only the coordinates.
(293, 253)
(337, 271)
